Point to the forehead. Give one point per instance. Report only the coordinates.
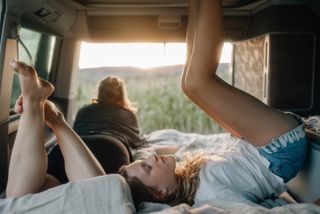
(135, 169)
(134, 164)
(138, 169)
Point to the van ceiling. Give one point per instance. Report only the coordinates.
(129, 20)
(226, 3)
(152, 20)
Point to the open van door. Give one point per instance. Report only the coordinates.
(8, 50)
(23, 41)
(4, 86)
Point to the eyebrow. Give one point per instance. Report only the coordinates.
(145, 167)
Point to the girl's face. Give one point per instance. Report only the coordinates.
(156, 171)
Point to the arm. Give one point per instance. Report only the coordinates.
(241, 114)
(166, 150)
(80, 163)
(192, 18)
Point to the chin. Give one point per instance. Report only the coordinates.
(172, 160)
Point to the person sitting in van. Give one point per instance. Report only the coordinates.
(109, 127)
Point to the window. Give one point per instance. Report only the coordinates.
(41, 48)
(152, 73)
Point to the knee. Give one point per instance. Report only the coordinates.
(50, 181)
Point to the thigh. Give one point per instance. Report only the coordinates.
(286, 153)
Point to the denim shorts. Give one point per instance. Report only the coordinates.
(287, 153)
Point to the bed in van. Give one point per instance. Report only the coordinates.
(276, 58)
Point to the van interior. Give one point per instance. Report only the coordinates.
(275, 57)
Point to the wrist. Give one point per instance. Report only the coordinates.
(57, 124)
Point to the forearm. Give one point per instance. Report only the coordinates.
(192, 18)
(166, 150)
(80, 163)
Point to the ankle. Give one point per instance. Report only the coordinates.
(33, 105)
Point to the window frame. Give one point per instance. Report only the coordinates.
(45, 42)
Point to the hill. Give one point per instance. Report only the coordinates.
(94, 74)
(127, 72)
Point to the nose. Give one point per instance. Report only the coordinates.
(153, 159)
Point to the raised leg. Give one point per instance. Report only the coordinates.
(238, 112)
(28, 164)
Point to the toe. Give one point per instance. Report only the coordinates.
(22, 68)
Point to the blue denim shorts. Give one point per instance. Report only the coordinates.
(287, 153)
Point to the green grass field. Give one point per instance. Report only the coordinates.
(162, 104)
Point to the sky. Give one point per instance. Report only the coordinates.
(142, 55)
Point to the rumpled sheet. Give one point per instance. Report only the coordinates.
(185, 142)
(213, 208)
(313, 123)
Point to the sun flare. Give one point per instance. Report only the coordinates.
(142, 55)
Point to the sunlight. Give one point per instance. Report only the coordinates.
(142, 55)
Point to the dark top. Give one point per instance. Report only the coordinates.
(109, 119)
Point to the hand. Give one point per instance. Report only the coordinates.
(52, 115)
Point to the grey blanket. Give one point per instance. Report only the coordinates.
(104, 194)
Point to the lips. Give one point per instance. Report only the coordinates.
(162, 158)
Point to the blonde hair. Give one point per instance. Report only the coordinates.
(187, 173)
(112, 90)
(188, 180)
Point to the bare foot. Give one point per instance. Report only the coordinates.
(32, 87)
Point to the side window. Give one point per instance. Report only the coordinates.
(41, 48)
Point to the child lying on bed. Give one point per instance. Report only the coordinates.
(270, 152)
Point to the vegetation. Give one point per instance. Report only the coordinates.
(162, 104)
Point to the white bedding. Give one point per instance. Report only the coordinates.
(110, 194)
(104, 194)
(212, 208)
(186, 142)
